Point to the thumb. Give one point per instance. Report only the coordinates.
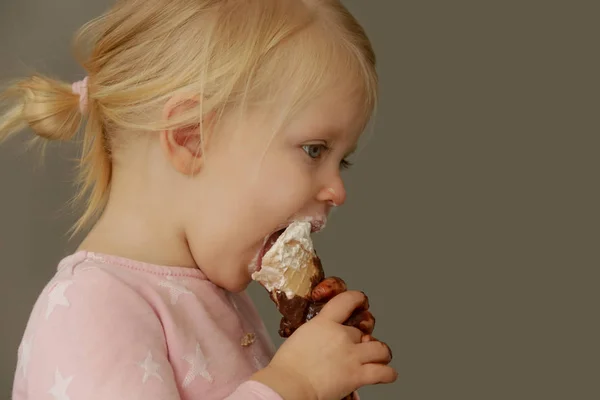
(341, 307)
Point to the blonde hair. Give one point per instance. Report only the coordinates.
(230, 53)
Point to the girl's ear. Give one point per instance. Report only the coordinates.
(183, 146)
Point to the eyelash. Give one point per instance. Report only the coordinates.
(344, 164)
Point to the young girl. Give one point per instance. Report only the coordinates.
(209, 126)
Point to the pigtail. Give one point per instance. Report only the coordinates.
(55, 111)
(48, 107)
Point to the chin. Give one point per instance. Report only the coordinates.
(231, 283)
(234, 277)
(239, 285)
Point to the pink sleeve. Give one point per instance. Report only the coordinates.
(252, 390)
(94, 337)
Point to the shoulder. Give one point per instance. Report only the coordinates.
(86, 305)
(87, 288)
(96, 294)
(92, 323)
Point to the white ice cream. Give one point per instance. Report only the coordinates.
(287, 264)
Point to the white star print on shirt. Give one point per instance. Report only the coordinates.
(198, 365)
(257, 363)
(150, 368)
(176, 289)
(56, 297)
(59, 390)
(25, 355)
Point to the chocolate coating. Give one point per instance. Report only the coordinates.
(294, 313)
(295, 310)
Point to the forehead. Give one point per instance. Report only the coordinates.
(335, 113)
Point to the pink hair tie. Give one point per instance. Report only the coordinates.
(81, 88)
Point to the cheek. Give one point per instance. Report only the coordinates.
(255, 197)
(284, 190)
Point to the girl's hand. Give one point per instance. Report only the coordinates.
(326, 360)
(330, 287)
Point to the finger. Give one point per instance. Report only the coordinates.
(354, 334)
(341, 306)
(365, 305)
(363, 320)
(367, 339)
(374, 352)
(328, 288)
(372, 374)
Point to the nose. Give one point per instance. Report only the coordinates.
(333, 193)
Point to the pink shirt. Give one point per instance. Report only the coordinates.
(110, 328)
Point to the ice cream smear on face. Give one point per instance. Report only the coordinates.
(288, 265)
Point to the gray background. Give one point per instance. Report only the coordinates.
(472, 218)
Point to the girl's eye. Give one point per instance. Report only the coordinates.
(313, 150)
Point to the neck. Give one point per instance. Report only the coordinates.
(140, 222)
(133, 235)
